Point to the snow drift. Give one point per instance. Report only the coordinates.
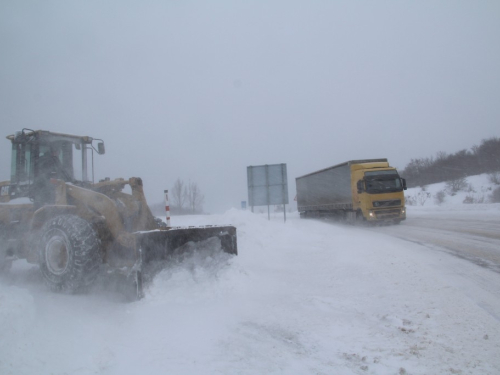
(302, 297)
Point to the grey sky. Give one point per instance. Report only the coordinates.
(200, 90)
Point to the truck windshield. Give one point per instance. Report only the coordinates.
(382, 182)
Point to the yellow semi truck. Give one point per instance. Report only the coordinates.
(358, 190)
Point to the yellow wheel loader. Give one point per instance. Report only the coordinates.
(52, 214)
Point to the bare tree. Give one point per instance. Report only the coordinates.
(495, 196)
(440, 197)
(194, 197)
(494, 178)
(484, 158)
(179, 194)
(455, 185)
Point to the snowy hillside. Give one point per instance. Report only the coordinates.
(302, 297)
(474, 190)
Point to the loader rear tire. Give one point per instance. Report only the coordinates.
(69, 251)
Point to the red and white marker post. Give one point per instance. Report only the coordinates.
(167, 207)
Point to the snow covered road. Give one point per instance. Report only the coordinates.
(302, 297)
(470, 234)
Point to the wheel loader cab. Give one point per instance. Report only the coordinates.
(38, 156)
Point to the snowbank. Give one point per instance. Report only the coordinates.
(477, 189)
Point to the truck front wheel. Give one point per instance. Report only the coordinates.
(360, 219)
(69, 252)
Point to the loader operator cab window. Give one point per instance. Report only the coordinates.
(82, 155)
(53, 162)
(22, 164)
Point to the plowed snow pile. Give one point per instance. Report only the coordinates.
(302, 297)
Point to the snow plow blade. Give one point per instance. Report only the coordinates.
(159, 245)
(158, 248)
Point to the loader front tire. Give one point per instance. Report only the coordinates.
(69, 251)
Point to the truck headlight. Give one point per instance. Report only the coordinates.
(403, 211)
(371, 213)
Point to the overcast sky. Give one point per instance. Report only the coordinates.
(200, 90)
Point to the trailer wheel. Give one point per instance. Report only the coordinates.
(69, 252)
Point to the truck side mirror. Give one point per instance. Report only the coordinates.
(404, 183)
(360, 186)
(100, 148)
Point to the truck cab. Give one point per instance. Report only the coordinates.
(378, 192)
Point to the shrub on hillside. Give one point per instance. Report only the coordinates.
(495, 196)
(439, 197)
(455, 185)
(472, 198)
(410, 200)
(418, 198)
(422, 196)
(494, 178)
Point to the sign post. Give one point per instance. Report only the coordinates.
(167, 208)
(267, 185)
